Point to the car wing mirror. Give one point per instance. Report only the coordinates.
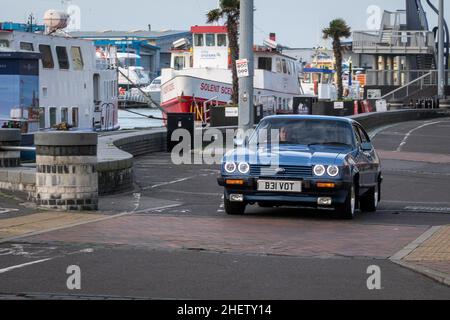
(239, 142)
(366, 146)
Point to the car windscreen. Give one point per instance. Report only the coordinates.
(305, 132)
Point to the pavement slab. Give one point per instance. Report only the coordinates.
(40, 222)
(247, 235)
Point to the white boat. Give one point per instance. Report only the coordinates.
(153, 91)
(71, 85)
(130, 74)
(201, 76)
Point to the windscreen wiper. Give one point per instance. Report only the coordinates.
(334, 143)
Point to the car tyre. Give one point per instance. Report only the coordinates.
(369, 203)
(234, 208)
(348, 209)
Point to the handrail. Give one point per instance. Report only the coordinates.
(205, 104)
(17, 148)
(406, 85)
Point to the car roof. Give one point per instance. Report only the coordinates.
(309, 117)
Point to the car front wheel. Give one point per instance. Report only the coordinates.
(348, 209)
(234, 208)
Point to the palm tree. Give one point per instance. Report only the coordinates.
(230, 10)
(337, 29)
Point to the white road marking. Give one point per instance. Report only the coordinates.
(405, 139)
(168, 183)
(87, 250)
(24, 265)
(6, 210)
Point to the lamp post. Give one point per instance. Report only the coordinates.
(246, 112)
(441, 79)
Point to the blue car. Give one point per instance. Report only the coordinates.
(307, 161)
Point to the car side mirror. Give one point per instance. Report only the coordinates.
(239, 142)
(366, 146)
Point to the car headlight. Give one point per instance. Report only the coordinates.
(230, 167)
(244, 167)
(319, 170)
(333, 171)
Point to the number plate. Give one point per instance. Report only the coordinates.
(279, 186)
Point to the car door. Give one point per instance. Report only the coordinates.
(373, 162)
(362, 159)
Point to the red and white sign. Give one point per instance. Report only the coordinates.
(242, 68)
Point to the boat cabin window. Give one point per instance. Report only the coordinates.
(75, 117)
(265, 63)
(77, 58)
(47, 58)
(284, 66)
(52, 112)
(179, 63)
(41, 118)
(306, 78)
(63, 59)
(4, 43)
(64, 115)
(198, 40)
(210, 40)
(279, 68)
(26, 46)
(221, 40)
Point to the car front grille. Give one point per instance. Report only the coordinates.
(289, 171)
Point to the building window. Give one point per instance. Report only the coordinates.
(52, 112)
(179, 63)
(63, 59)
(198, 40)
(265, 63)
(284, 66)
(64, 115)
(77, 58)
(75, 117)
(221, 40)
(47, 58)
(4, 43)
(210, 40)
(26, 46)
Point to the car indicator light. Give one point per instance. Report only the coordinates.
(235, 182)
(326, 185)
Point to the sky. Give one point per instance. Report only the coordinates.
(297, 23)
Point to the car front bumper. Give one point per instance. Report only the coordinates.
(309, 196)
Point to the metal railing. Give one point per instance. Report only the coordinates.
(395, 41)
(425, 79)
(399, 77)
(17, 148)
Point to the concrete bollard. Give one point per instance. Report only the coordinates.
(66, 177)
(10, 138)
